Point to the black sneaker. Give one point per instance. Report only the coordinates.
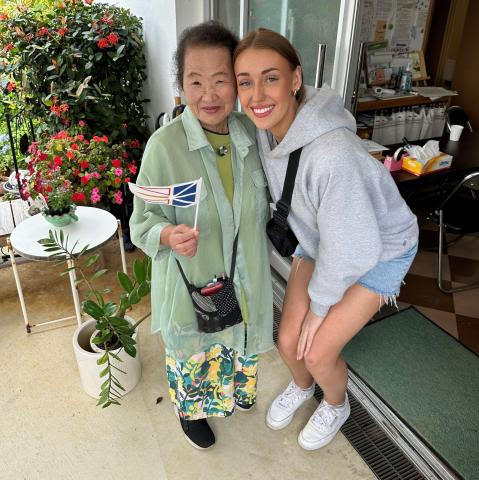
(244, 407)
(198, 433)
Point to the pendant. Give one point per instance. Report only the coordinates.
(222, 150)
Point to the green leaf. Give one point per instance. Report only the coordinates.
(99, 273)
(91, 260)
(103, 359)
(51, 67)
(144, 289)
(139, 270)
(125, 281)
(131, 350)
(92, 309)
(104, 372)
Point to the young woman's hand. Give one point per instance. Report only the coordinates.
(181, 238)
(311, 324)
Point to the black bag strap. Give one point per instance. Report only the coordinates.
(232, 271)
(283, 205)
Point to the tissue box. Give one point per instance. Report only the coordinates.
(391, 164)
(434, 164)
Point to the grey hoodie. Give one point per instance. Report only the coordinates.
(346, 210)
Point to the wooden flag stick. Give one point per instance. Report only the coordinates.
(198, 193)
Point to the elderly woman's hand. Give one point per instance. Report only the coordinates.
(181, 238)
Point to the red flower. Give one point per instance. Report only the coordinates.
(70, 155)
(11, 86)
(81, 123)
(104, 139)
(8, 47)
(124, 155)
(80, 138)
(3, 16)
(113, 38)
(116, 162)
(132, 168)
(127, 180)
(61, 134)
(58, 161)
(135, 144)
(85, 179)
(103, 43)
(42, 32)
(117, 180)
(78, 197)
(84, 165)
(74, 146)
(61, 31)
(102, 167)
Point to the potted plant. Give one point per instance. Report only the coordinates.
(69, 169)
(113, 370)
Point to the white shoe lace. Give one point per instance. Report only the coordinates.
(291, 395)
(323, 418)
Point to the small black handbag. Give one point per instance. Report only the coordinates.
(220, 310)
(277, 229)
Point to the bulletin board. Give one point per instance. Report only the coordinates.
(404, 24)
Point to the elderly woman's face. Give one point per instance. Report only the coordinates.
(209, 85)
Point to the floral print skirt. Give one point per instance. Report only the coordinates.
(211, 383)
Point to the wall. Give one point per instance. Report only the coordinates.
(466, 72)
(163, 21)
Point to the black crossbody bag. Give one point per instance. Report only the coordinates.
(220, 310)
(277, 229)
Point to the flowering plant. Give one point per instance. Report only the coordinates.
(76, 59)
(70, 168)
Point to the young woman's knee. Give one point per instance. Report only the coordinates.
(287, 344)
(319, 360)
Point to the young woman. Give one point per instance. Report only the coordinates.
(357, 237)
(209, 374)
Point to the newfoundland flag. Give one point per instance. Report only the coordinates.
(178, 195)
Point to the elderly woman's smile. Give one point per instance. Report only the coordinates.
(209, 86)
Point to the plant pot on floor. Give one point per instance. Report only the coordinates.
(90, 370)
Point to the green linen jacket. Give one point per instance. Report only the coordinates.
(180, 152)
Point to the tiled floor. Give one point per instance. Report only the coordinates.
(457, 313)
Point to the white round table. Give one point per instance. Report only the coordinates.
(94, 228)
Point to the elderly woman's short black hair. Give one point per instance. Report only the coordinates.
(206, 34)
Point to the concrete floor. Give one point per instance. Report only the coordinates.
(52, 430)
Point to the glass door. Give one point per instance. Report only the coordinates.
(307, 24)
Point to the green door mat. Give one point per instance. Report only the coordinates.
(428, 378)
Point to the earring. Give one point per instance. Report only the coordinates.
(295, 91)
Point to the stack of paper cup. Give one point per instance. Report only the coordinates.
(455, 133)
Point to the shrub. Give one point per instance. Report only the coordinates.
(77, 61)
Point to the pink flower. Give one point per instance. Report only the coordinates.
(96, 175)
(118, 172)
(95, 195)
(85, 179)
(81, 123)
(118, 197)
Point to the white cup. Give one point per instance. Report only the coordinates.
(455, 133)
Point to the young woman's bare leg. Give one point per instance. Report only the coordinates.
(343, 322)
(295, 307)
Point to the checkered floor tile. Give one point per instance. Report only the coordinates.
(457, 313)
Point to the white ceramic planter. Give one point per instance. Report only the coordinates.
(90, 371)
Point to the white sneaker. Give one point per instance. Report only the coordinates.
(323, 425)
(282, 409)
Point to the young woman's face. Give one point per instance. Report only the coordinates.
(265, 88)
(209, 86)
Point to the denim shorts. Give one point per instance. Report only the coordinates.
(385, 278)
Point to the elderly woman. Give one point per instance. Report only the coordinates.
(209, 374)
